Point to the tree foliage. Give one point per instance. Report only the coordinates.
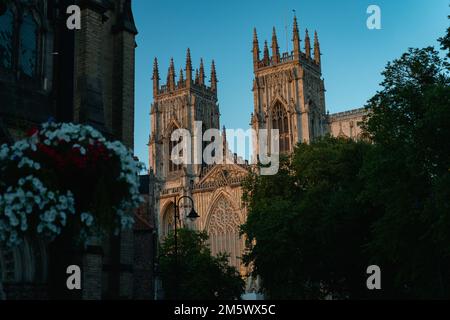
(407, 173)
(308, 218)
(193, 274)
(338, 206)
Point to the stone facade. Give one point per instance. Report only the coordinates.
(82, 76)
(347, 124)
(188, 103)
(289, 92)
(289, 95)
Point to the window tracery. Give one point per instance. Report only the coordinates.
(223, 230)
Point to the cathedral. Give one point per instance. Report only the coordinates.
(289, 95)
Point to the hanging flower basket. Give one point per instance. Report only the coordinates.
(66, 176)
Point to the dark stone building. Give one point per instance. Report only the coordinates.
(84, 76)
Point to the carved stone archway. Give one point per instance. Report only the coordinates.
(167, 222)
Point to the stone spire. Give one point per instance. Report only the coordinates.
(188, 68)
(181, 79)
(171, 76)
(275, 48)
(155, 77)
(255, 50)
(266, 57)
(296, 40)
(196, 81)
(307, 45)
(224, 144)
(201, 75)
(316, 48)
(213, 77)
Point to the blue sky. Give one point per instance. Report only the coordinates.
(353, 56)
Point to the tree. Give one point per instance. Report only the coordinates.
(309, 217)
(407, 174)
(338, 206)
(445, 41)
(194, 274)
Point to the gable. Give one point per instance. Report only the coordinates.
(223, 175)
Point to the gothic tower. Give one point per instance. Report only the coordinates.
(289, 93)
(186, 102)
(180, 104)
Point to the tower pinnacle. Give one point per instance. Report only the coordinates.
(275, 48)
(255, 49)
(201, 75)
(316, 48)
(171, 76)
(181, 78)
(188, 68)
(266, 57)
(296, 40)
(307, 45)
(213, 77)
(155, 77)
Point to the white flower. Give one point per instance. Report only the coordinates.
(4, 151)
(19, 201)
(87, 218)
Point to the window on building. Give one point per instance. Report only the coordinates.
(172, 165)
(168, 220)
(223, 229)
(19, 39)
(6, 39)
(28, 44)
(280, 121)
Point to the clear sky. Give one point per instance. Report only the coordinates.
(353, 56)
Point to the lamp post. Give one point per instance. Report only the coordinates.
(191, 216)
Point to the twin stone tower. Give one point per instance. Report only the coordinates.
(288, 89)
(289, 95)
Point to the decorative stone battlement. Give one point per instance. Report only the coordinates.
(296, 55)
(347, 124)
(348, 113)
(197, 83)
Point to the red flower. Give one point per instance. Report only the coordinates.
(32, 132)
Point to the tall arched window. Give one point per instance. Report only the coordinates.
(6, 39)
(20, 38)
(168, 220)
(280, 121)
(223, 229)
(172, 165)
(28, 44)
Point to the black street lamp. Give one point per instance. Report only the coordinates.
(191, 216)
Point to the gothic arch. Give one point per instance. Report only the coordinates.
(279, 119)
(225, 191)
(279, 100)
(223, 226)
(167, 219)
(26, 263)
(169, 145)
(23, 42)
(314, 120)
(171, 126)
